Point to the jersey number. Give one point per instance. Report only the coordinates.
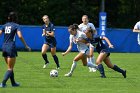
(7, 29)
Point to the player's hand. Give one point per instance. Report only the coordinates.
(47, 33)
(43, 35)
(111, 46)
(63, 54)
(28, 48)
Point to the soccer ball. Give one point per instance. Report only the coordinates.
(53, 73)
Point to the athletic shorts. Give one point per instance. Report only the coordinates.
(9, 50)
(105, 51)
(85, 51)
(51, 42)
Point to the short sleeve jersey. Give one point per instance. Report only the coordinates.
(50, 28)
(137, 26)
(79, 35)
(83, 27)
(97, 43)
(10, 29)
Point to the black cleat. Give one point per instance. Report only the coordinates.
(15, 85)
(124, 74)
(103, 76)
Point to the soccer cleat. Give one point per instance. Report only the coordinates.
(16, 85)
(57, 67)
(45, 65)
(90, 69)
(103, 76)
(93, 69)
(124, 74)
(68, 74)
(2, 85)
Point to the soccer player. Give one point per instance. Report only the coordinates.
(78, 37)
(137, 29)
(49, 41)
(103, 51)
(9, 52)
(83, 26)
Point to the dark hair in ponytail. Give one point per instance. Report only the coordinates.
(12, 17)
(73, 27)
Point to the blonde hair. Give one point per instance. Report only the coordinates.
(45, 16)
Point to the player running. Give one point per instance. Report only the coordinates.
(49, 41)
(77, 37)
(9, 52)
(103, 51)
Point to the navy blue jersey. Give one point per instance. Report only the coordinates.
(98, 44)
(50, 28)
(9, 29)
(49, 40)
(9, 48)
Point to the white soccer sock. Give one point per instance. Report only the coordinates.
(88, 59)
(89, 64)
(73, 66)
(91, 60)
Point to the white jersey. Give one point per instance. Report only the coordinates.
(137, 26)
(82, 47)
(83, 27)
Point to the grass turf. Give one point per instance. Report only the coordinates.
(34, 79)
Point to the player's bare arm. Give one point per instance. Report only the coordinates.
(136, 30)
(68, 50)
(23, 41)
(108, 42)
(50, 33)
(0, 32)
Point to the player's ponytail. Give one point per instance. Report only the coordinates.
(12, 17)
(75, 26)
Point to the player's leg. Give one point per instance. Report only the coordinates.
(44, 55)
(9, 74)
(99, 60)
(114, 67)
(53, 52)
(74, 64)
(91, 59)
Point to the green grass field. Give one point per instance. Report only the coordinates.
(34, 79)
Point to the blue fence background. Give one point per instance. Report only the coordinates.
(124, 40)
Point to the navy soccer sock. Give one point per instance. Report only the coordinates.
(12, 78)
(45, 58)
(7, 76)
(56, 60)
(116, 68)
(101, 69)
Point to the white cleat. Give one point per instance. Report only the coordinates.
(68, 74)
(90, 69)
(58, 68)
(93, 69)
(45, 65)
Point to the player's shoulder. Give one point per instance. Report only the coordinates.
(80, 32)
(80, 25)
(98, 36)
(138, 22)
(90, 24)
(11, 24)
(51, 24)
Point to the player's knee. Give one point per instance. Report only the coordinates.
(98, 62)
(91, 55)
